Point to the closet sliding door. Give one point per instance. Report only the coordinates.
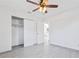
(29, 33)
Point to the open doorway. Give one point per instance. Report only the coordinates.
(46, 34)
(17, 32)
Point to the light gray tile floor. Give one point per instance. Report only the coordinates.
(41, 51)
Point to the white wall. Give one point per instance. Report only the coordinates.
(5, 30)
(64, 29)
(64, 24)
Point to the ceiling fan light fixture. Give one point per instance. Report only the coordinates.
(43, 10)
(42, 6)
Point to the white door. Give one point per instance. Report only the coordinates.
(40, 33)
(29, 33)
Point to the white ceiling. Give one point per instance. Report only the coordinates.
(23, 6)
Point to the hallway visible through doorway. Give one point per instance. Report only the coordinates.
(46, 34)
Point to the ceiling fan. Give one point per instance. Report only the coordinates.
(42, 5)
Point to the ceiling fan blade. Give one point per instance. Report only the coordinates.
(35, 9)
(52, 6)
(32, 2)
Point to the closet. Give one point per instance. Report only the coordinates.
(17, 31)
